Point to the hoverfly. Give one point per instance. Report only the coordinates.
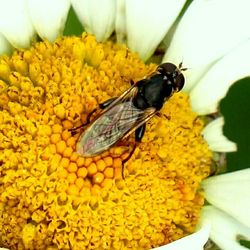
(129, 113)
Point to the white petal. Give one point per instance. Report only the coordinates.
(49, 17)
(213, 134)
(15, 23)
(224, 229)
(215, 84)
(147, 23)
(195, 241)
(120, 24)
(5, 47)
(230, 193)
(97, 17)
(207, 31)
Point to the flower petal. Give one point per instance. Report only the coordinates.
(207, 31)
(213, 134)
(194, 241)
(97, 17)
(147, 23)
(5, 47)
(230, 193)
(215, 84)
(49, 17)
(224, 228)
(120, 24)
(15, 23)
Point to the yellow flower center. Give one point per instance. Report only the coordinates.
(51, 197)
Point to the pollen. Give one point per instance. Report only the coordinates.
(53, 198)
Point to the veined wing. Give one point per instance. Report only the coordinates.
(114, 124)
(126, 96)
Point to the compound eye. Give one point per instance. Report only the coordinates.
(179, 82)
(168, 68)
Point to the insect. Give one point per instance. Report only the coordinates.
(129, 113)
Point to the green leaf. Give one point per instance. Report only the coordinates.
(245, 243)
(235, 108)
(73, 25)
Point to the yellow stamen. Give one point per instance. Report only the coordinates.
(53, 198)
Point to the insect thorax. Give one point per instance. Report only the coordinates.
(153, 92)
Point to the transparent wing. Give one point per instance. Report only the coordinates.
(117, 122)
(126, 96)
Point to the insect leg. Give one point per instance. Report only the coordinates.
(160, 115)
(107, 103)
(102, 106)
(139, 132)
(74, 130)
(125, 160)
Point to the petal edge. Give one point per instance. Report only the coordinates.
(49, 17)
(224, 228)
(194, 241)
(226, 190)
(213, 134)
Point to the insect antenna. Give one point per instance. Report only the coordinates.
(180, 66)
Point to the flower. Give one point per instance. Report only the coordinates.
(53, 87)
(55, 145)
(230, 214)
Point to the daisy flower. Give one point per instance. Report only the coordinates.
(53, 198)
